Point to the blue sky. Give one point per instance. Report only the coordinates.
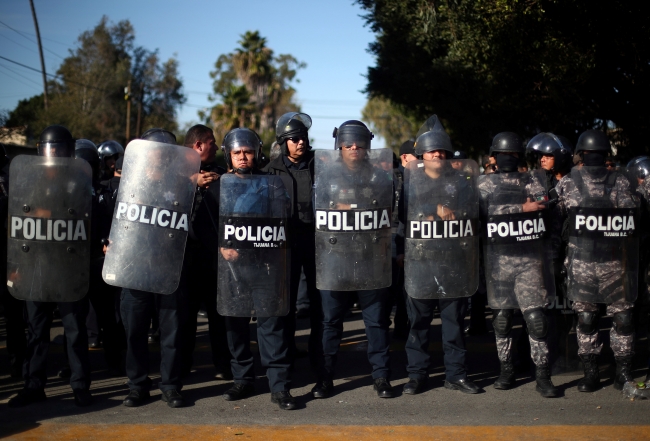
(328, 35)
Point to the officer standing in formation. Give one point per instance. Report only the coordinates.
(250, 281)
(441, 258)
(327, 214)
(602, 261)
(516, 266)
(296, 160)
(43, 294)
(354, 197)
(200, 278)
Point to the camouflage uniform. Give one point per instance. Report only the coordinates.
(601, 277)
(525, 270)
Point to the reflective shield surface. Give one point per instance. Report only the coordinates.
(603, 254)
(353, 193)
(48, 248)
(442, 237)
(518, 269)
(254, 249)
(152, 215)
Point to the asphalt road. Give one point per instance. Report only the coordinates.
(354, 402)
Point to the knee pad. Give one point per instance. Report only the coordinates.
(536, 322)
(502, 321)
(588, 322)
(624, 322)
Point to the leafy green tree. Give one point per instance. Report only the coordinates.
(389, 121)
(252, 87)
(486, 66)
(88, 94)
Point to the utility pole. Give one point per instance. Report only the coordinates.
(138, 132)
(127, 97)
(40, 51)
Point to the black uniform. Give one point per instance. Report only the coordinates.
(303, 251)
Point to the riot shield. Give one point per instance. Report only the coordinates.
(442, 237)
(254, 249)
(603, 255)
(353, 192)
(48, 249)
(518, 269)
(151, 218)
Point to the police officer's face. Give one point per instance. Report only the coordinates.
(242, 157)
(547, 162)
(352, 154)
(297, 146)
(433, 160)
(208, 149)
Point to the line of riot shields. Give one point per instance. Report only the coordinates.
(449, 209)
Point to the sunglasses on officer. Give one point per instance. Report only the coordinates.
(297, 139)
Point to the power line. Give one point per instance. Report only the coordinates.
(20, 80)
(22, 34)
(52, 75)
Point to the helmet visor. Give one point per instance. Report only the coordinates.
(350, 135)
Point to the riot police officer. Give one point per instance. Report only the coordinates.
(517, 269)
(441, 261)
(55, 142)
(354, 196)
(251, 282)
(296, 162)
(602, 261)
(102, 296)
(137, 305)
(109, 153)
(201, 283)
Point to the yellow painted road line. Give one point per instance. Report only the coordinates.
(163, 432)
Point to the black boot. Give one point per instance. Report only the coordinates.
(507, 378)
(591, 380)
(623, 372)
(544, 384)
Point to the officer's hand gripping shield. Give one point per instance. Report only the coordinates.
(151, 218)
(603, 252)
(442, 237)
(353, 192)
(254, 249)
(48, 248)
(518, 268)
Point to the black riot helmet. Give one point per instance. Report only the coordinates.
(459, 154)
(550, 144)
(352, 132)
(507, 142)
(108, 149)
(87, 150)
(56, 141)
(241, 138)
(593, 141)
(639, 167)
(432, 136)
(159, 135)
(290, 125)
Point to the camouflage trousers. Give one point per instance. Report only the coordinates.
(622, 345)
(597, 282)
(515, 282)
(538, 348)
